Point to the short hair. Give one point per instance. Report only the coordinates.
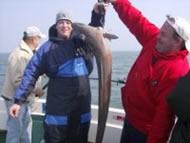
(25, 37)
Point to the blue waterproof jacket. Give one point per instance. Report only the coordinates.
(68, 70)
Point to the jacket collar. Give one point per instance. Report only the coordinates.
(172, 56)
(57, 39)
(24, 47)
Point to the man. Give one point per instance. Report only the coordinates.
(19, 129)
(179, 100)
(63, 60)
(163, 59)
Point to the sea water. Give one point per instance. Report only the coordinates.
(121, 64)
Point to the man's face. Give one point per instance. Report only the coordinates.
(64, 29)
(166, 42)
(36, 41)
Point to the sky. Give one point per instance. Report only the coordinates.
(16, 15)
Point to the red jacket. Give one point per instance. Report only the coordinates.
(149, 82)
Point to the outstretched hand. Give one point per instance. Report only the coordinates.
(14, 110)
(101, 8)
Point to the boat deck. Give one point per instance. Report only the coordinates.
(111, 135)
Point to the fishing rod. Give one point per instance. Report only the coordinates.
(93, 78)
(116, 81)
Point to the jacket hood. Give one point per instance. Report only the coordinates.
(52, 33)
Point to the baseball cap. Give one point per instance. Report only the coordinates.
(64, 15)
(182, 27)
(33, 31)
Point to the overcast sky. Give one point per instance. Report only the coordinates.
(16, 15)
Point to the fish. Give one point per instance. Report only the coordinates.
(97, 41)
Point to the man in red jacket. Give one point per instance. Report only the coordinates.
(162, 60)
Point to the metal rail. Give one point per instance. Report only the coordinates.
(91, 78)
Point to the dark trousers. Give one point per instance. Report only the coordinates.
(66, 134)
(131, 135)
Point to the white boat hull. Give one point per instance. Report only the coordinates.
(113, 126)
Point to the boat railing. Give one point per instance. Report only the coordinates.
(113, 126)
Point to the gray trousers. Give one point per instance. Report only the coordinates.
(19, 129)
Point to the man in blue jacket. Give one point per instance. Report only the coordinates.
(67, 116)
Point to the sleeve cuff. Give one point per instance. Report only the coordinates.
(97, 19)
(17, 101)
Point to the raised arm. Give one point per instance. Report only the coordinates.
(138, 25)
(98, 16)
